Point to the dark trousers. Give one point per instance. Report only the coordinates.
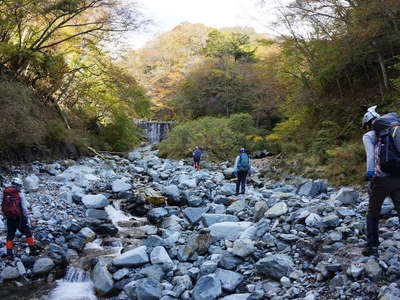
(21, 224)
(196, 164)
(241, 181)
(379, 189)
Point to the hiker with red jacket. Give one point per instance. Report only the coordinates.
(14, 207)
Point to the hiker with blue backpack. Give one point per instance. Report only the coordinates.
(196, 158)
(241, 169)
(382, 147)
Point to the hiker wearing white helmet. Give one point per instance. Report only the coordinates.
(381, 143)
(14, 207)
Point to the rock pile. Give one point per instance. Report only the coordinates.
(189, 237)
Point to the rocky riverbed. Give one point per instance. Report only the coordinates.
(148, 228)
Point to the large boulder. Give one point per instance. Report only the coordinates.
(229, 279)
(210, 219)
(277, 210)
(312, 188)
(10, 273)
(228, 230)
(31, 183)
(132, 258)
(120, 185)
(95, 201)
(275, 266)
(173, 194)
(347, 196)
(42, 266)
(207, 287)
(102, 279)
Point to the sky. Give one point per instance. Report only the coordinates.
(166, 14)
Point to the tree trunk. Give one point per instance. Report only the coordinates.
(383, 69)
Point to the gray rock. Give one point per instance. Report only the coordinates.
(88, 234)
(194, 214)
(210, 219)
(347, 196)
(228, 173)
(236, 207)
(160, 256)
(134, 155)
(259, 210)
(228, 189)
(96, 214)
(102, 279)
(148, 289)
(228, 230)
(95, 201)
(156, 215)
(21, 268)
(345, 212)
(182, 283)
(373, 269)
(208, 267)
(243, 247)
(275, 266)
(244, 296)
(229, 279)
(120, 274)
(208, 287)
(10, 273)
(356, 270)
(42, 266)
(132, 258)
(330, 221)
(313, 220)
(173, 194)
(277, 210)
(120, 185)
(312, 188)
(31, 183)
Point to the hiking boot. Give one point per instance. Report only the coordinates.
(10, 254)
(370, 251)
(33, 250)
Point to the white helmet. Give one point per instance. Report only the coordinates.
(16, 181)
(370, 115)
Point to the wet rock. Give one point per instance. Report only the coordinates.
(102, 228)
(42, 266)
(275, 266)
(210, 219)
(277, 210)
(102, 279)
(95, 201)
(347, 196)
(10, 273)
(207, 287)
(132, 258)
(229, 279)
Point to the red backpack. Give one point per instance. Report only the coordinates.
(11, 205)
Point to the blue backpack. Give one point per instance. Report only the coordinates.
(244, 163)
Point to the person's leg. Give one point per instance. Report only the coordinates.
(11, 229)
(243, 182)
(238, 182)
(26, 230)
(377, 195)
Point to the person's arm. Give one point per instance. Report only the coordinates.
(24, 204)
(369, 141)
(236, 164)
